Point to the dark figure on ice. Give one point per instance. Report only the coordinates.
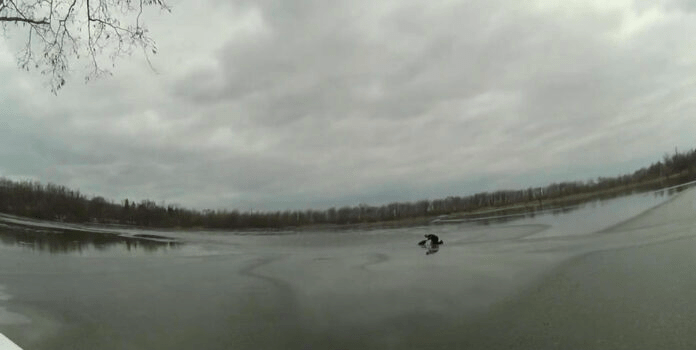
(432, 243)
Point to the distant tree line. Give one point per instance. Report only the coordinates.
(55, 202)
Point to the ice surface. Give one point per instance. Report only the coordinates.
(342, 289)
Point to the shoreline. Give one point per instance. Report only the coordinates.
(537, 206)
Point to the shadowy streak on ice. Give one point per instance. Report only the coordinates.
(374, 260)
(281, 313)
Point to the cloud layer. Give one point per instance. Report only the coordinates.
(274, 104)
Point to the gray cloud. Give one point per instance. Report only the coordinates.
(276, 104)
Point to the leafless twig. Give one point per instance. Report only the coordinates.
(55, 27)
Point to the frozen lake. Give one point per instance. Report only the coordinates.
(612, 274)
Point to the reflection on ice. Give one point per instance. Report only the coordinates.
(67, 241)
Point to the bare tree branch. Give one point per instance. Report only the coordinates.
(55, 30)
(21, 19)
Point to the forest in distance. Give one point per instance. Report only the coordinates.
(58, 203)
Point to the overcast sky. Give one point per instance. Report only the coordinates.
(273, 105)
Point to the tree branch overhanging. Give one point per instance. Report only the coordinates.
(26, 20)
(113, 30)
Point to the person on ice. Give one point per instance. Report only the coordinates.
(431, 239)
(432, 243)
